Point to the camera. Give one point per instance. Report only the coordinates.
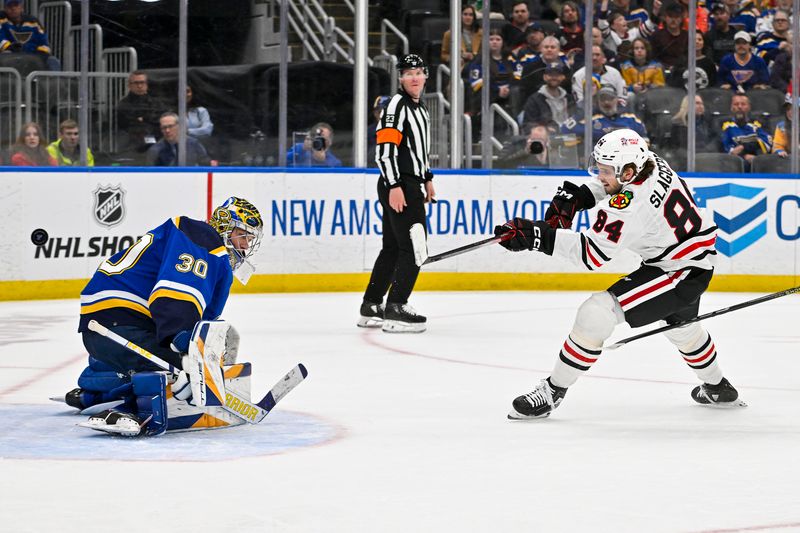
(318, 143)
(536, 147)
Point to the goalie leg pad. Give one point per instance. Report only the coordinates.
(186, 417)
(150, 389)
(98, 384)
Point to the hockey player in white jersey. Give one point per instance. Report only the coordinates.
(645, 207)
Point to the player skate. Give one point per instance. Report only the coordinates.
(371, 315)
(116, 423)
(539, 403)
(722, 395)
(402, 318)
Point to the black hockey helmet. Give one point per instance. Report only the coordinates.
(412, 61)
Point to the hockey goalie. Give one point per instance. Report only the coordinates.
(158, 359)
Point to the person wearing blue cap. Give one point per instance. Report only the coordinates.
(23, 33)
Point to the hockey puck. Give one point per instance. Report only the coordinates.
(39, 237)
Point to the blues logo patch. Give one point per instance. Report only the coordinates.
(621, 200)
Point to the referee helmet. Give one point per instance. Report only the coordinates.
(410, 61)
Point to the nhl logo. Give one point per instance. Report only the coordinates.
(109, 208)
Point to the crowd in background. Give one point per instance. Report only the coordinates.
(536, 74)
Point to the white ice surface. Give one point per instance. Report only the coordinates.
(415, 430)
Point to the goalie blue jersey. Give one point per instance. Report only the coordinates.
(172, 277)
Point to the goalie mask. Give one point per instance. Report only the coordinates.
(617, 150)
(238, 213)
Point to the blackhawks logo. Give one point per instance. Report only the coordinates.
(621, 200)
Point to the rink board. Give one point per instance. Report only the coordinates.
(323, 230)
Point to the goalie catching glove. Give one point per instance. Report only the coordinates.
(527, 235)
(569, 199)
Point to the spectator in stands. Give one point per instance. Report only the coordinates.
(377, 108)
(742, 70)
(701, 16)
(500, 76)
(527, 151)
(641, 72)
(315, 150)
(531, 78)
(576, 61)
(534, 35)
(636, 18)
(471, 35)
(29, 149)
(23, 33)
(165, 152)
(706, 139)
(770, 43)
(66, 150)
(197, 117)
(615, 30)
(781, 72)
(743, 14)
(606, 119)
(609, 76)
(705, 68)
(765, 20)
(721, 34)
(742, 136)
(781, 140)
(571, 28)
(551, 103)
(670, 43)
(513, 32)
(138, 115)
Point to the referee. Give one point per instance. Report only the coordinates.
(403, 141)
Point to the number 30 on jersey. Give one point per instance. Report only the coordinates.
(188, 263)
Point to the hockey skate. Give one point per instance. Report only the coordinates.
(116, 423)
(722, 395)
(402, 318)
(371, 315)
(539, 403)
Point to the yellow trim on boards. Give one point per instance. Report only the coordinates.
(428, 281)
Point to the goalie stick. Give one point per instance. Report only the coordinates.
(251, 413)
(421, 256)
(718, 312)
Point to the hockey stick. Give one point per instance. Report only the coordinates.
(718, 312)
(235, 404)
(421, 248)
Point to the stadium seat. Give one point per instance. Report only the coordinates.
(415, 11)
(659, 105)
(675, 157)
(766, 102)
(716, 101)
(771, 164)
(725, 163)
(663, 100)
(431, 35)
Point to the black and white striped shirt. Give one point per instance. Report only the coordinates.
(403, 141)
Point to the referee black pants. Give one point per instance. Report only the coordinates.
(395, 269)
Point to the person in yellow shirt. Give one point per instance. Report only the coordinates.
(66, 150)
(642, 72)
(781, 140)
